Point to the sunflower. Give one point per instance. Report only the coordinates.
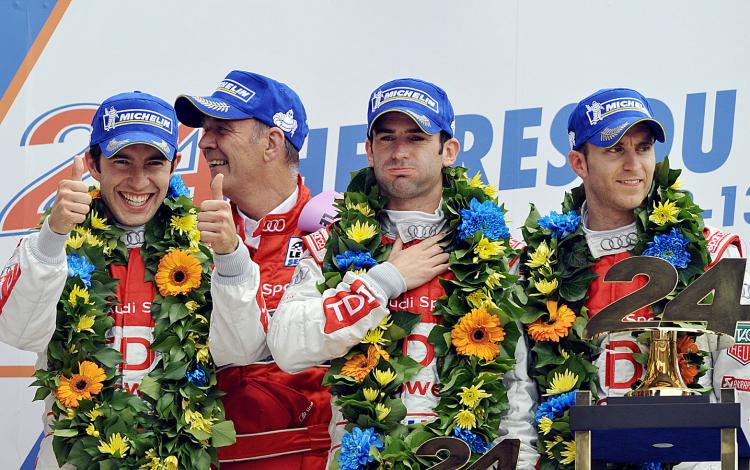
(358, 367)
(487, 249)
(472, 395)
(546, 287)
(540, 257)
(664, 213)
(560, 320)
(179, 272)
(99, 223)
(80, 386)
(477, 334)
(562, 383)
(360, 232)
(360, 207)
(117, 445)
(465, 419)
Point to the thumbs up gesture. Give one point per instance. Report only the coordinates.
(72, 201)
(215, 220)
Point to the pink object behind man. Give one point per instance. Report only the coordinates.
(319, 211)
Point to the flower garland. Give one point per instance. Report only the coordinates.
(558, 268)
(474, 345)
(178, 420)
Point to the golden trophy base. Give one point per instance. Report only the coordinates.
(663, 376)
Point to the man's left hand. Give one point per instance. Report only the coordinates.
(215, 220)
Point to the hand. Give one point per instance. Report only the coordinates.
(215, 220)
(72, 201)
(421, 262)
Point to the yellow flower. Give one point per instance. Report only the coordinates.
(478, 298)
(91, 430)
(472, 395)
(171, 463)
(195, 240)
(465, 419)
(197, 421)
(360, 232)
(487, 249)
(476, 181)
(382, 411)
(562, 382)
(154, 462)
(384, 377)
(191, 305)
(494, 280)
(565, 354)
(370, 393)
(549, 445)
(546, 287)
(117, 445)
(478, 334)
(561, 318)
(78, 293)
(677, 184)
(664, 212)
(569, 453)
(490, 191)
(85, 322)
(202, 355)
(93, 240)
(183, 224)
(99, 223)
(95, 413)
(374, 336)
(75, 241)
(70, 413)
(361, 207)
(545, 425)
(540, 257)
(80, 386)
(386, 322)
(201, 318)
(179, 273)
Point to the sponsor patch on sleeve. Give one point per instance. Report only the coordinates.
(316, 244)
(8, 278)
(346, 308)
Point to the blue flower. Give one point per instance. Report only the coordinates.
(197, 376)
(555, 406)
(476, 442)
(486, 217)
(177, 187)
(561, 225)
(81, 267)
(670, 247)
(651, 466)
(360, 259)
(355, 448)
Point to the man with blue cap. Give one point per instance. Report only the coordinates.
(366, 296)
(85, 285)
(253, 129)
(627, 205)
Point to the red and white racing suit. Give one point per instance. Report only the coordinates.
(311, 328)
(33, 280)
(618, 369)
(281, 419)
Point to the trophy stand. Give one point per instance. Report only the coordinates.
(663, 376)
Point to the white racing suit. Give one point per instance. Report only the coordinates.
(618, 369)
(309, 328)
(33, 280)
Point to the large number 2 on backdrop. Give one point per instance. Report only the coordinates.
(720, 312)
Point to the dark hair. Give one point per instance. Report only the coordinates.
(291, 154)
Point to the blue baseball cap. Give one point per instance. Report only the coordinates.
(602, 118)
(426, 103)
(134, 118)
(246, 95)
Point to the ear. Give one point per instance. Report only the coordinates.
(176, 160)
(276, 144)
(368, 151)
(578, 163)
(91, 165)
(450, 151)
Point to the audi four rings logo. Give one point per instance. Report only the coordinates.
(422, 231)
(274, 225)
(620, 241)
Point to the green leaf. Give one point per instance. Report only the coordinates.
(223, 434)
(69, 432)
(150, 387)
(108, 356)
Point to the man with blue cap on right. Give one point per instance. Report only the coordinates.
(628, 205)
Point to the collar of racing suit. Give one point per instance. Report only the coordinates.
(133, 237)
(412, 225)
(608, 242)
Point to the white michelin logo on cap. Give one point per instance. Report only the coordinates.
(286, 121)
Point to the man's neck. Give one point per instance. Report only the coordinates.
(428, 204)
(600, 218)
(256, 201)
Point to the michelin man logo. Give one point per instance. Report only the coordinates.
(286, 121)
(596, 112)
(572, 139)
(109, 118)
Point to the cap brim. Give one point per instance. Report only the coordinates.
(611, 135)
(192, 109)
(113, 145)
(424, 123)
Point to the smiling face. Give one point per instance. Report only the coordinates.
(408, 162)
(133, 182)
(235, 149)
(618, 178)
